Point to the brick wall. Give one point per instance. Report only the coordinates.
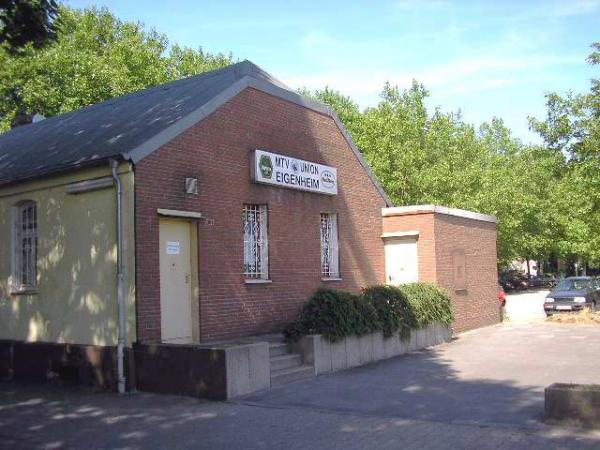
(477, 305)
(217, 152)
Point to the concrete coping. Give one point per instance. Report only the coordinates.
(400, 234)
(429, 209)
(209, 345)
(178, 213)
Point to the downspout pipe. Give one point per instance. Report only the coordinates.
(114, 164)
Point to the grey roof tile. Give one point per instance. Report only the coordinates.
(134, 125)
(113, 127)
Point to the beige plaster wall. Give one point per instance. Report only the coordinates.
(76, 298)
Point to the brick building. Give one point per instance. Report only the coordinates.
(457, 250)
(235, 199)
(220, 148)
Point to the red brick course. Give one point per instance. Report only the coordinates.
(217, 152)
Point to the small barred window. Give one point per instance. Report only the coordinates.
(329, 246)
(25, 246)
(256, 245)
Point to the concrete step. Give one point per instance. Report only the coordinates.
(285, 376)
(285, 361)
(278, 349)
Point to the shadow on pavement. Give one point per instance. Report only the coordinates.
(416, 401)
(421, 386)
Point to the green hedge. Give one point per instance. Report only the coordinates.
(334, 314)
(390, 309)
(393, 308)
(429, 303)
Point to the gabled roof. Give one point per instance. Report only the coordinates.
(132, 126)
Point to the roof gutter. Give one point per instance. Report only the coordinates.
(7, 182)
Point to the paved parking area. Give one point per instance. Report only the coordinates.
(482, 391)
(495, 375)
(526, 306)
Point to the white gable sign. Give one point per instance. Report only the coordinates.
(293, 173)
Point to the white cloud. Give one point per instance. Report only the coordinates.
(574, 8)
(356, 83)
(479, 86)
(421, 5)
(461, 77)
(486, 66)
(556, 10)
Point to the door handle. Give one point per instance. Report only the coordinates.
(187, 279)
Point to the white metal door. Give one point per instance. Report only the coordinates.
(175, 282)
(401, 261)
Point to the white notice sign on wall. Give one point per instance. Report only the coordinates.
(173, 248)
(293, 173)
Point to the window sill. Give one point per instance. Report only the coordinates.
(257, 281)
(28, 291)
(331, 279)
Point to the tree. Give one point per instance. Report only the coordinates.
(25, 22)
(95, 57)
(423, 157)
(572, 127)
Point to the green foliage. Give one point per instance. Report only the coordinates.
(334, 314)
(95, 57)
(25, 22)
(572, 128)
(366, 319)
(422, 157)
(337, 314)
(428, 304)
(393, 309)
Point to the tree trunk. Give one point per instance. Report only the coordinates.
(528, 269)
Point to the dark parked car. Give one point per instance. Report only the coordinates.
(572, 294)
(544, 280)
(505, 284)
(513, 281)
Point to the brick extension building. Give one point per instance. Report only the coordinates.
(457, 250)
(238, 198)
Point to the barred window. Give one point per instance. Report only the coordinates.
(25, 246)
(256, 244)
(330, 266)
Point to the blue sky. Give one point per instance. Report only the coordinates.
(486, 58)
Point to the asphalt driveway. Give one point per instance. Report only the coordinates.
(481, 392)
(494, 375)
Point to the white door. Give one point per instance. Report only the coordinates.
(175, 282)
(401, 261)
